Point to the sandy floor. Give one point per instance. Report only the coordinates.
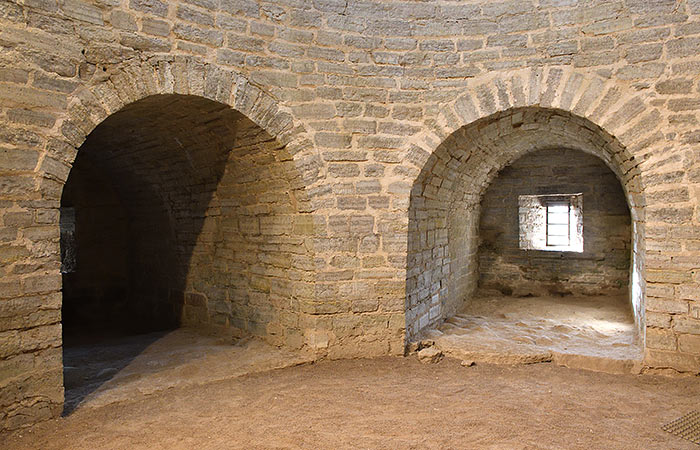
(596, 333)
(121, 368)
(387, 403)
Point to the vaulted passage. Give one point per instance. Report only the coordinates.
(520, 222)
(180, 211)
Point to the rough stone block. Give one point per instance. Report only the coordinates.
(684, 324)
(661, 339)
(155, 7)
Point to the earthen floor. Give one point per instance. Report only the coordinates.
(386, 403)
(595, 333)
(121, 368)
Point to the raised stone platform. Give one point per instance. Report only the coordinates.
(594, 333)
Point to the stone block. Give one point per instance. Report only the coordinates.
(144, 43)
(688, 343)
(348, 202)
(333, 140)
(155, 7)
(40, 337)
(123, 20)
(30, 117)
(199, 35)
(275, 225)
(661, 339)
(197, 16)
(155, 27)
(42, 283)
(344, 170)
(683, 47)
(83, 11)
(430, 355)
(685, 324)
(11, 75)
(13, 159)
(22, 96)
(666, 276)
(658, 320)
(674, 360)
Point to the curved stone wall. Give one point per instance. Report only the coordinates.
(360, 94)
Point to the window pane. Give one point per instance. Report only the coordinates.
(558, 208)
(558, 241)
(558, 230)
(558, 218)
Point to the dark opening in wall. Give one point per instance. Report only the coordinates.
(68, 245)
(94, 244)
(178, 211)
(185, 212)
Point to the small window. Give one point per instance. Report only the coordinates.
(551, 222)
(68, 245)
(558, 228)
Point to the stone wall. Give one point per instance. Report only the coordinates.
(366, 97)
(448, 198)
(602, 267)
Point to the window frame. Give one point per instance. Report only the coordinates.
(533, 222)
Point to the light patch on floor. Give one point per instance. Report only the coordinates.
(595, 333)
(122, 369)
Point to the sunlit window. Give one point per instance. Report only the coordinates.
(558, 223)
(551, 222)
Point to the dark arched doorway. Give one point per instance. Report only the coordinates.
(178, 212)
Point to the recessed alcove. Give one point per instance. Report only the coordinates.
(178, 212)
(492, 251)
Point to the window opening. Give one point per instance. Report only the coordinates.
(69, 261)
(552, 222)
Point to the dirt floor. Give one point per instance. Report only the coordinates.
(99, 371)
(594, 332)
(387, 403)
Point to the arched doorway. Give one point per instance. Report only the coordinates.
(179, 212)
(448, 258)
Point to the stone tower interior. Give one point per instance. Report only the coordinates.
(196, 192)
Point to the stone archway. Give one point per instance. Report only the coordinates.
(473, 138)
(270, 126)
(207, 202)
(185, 213)
(446, 202)
(126, 89)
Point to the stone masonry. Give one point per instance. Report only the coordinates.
(603, 265)
(337, 189)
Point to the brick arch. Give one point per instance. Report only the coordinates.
(122, 85)
(587, 100)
